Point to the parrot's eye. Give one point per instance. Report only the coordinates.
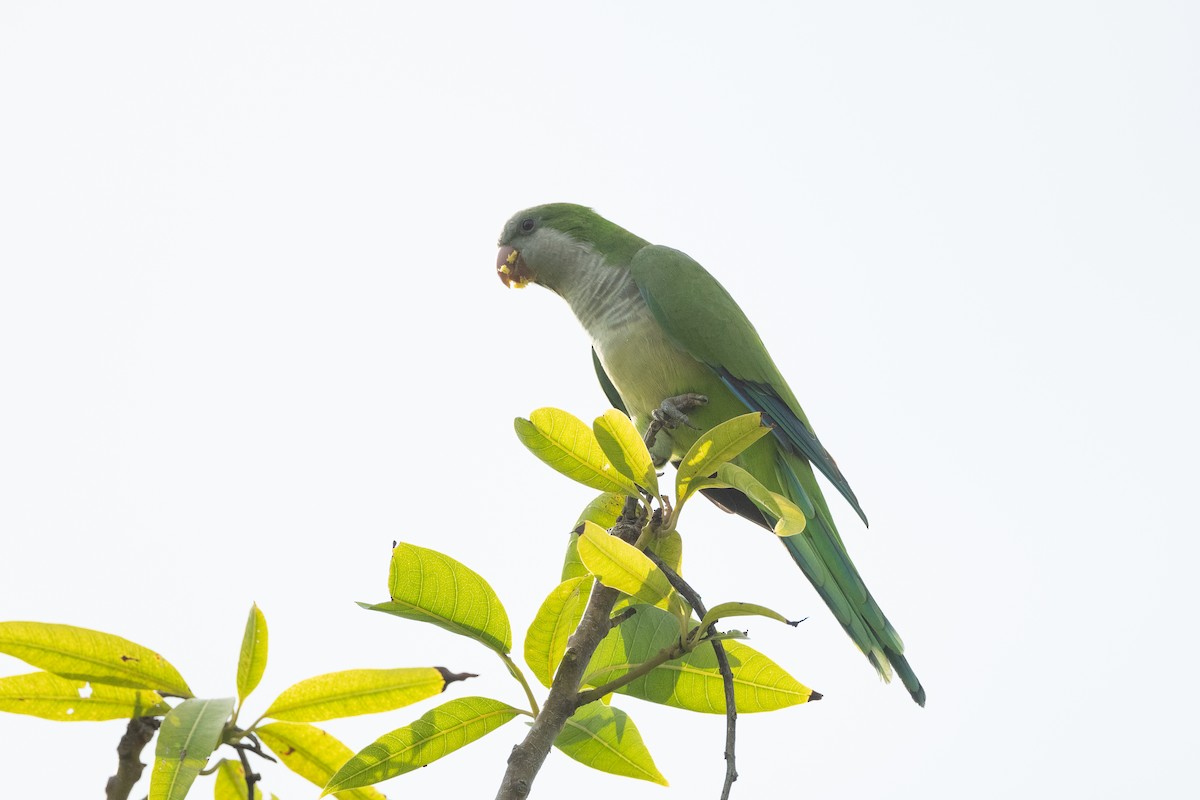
(527, 225)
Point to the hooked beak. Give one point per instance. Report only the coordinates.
(511, 267)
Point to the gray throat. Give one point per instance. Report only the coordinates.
(603, 297)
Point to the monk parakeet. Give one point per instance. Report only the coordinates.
(662, 327)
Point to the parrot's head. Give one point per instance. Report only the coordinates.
(552, 244)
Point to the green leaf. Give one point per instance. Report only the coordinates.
(41, 694)
(619, 565)
(556, 620)
(312, 754)
(625, 449)
(714, 448)
(572, 566)
(605, 738)
(252, 659)
(438, 732)
(570, 447)
(429, 586)
(724, 610)
(692, 682)
(231, 782)
(669, 548)
(603, 511)
(356, 691)
(188, 736)
(89, 655)
(789, 518)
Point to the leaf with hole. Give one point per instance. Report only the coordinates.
(42, 694)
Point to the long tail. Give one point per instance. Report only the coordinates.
(821, 555)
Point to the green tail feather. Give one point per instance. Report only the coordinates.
(907, 676)
(821, 556)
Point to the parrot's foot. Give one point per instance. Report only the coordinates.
(672, 413)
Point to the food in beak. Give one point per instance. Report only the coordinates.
(511, 268)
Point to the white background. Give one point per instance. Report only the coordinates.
(250, 333)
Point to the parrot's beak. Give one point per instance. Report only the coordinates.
(511, 268)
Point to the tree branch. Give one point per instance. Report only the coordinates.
(527, 757)
(690, 595)
(138, 734)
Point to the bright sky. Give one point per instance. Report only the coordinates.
(250, 333)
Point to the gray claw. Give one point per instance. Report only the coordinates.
(673, 411)
(671, 414)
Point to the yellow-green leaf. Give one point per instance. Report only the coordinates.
(692, 682)
(312, 754)
(605, 738)
(231, 782)
(669, 548)
(252, 659)
(621, 566)
(603, 511)
(89, 655)
(570, 447)
(356, 691)
(625, 449)
(714, 448)
(188, 736)
(556, 620)
(41, 694)
(438, 732)
(429, 586)
(724, 610)
(789, 518)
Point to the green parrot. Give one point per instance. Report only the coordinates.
(662, 328)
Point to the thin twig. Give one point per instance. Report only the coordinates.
(252, 777)
(657, 660)
(690, 595)
(255, 746)
(138, 734)
(621, 616)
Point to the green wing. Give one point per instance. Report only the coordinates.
(703, 319)
(700, 316)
